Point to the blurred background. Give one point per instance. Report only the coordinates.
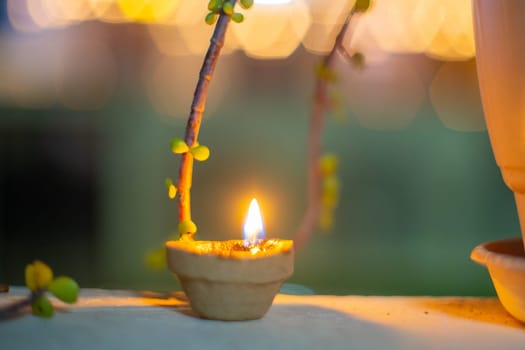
(92, 92)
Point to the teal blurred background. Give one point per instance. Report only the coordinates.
(82, 169)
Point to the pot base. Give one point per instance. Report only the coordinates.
(229, 301)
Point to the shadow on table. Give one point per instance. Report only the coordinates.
(164, 299)
(488, 310)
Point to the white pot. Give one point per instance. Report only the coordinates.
(500, 50)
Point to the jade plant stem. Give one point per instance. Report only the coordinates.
(197, 108)
(12, 309)
(320, 106)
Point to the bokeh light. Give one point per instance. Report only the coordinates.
(150, 11)
(90, 87)
(326, 18)
(273, 31)
(384, 96)
(455, 96)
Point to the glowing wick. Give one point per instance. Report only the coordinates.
(253, 226)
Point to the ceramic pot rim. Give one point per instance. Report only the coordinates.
(507, 253)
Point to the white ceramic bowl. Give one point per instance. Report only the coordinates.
(505, 260)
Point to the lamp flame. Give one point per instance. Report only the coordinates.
(253, 226)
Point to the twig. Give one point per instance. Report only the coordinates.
(15, 307)
(319, 108)
(197, 109)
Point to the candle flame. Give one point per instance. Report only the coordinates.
(253, 226)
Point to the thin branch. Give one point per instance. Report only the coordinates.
(197, 109)
(14, 308)
(317, 115)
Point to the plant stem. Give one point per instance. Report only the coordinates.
(197, 109)
(15, 307)
(317, 115)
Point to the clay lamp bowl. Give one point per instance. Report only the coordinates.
(227, 280)
(505, 260)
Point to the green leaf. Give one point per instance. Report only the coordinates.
(246, 4)
(237, 17)
(172, 191)
(200, 153)
(187, 227)
(212, 6)
(38, 275)
(65, 289)
(358, 60)
(178, 146)
(362, 5)
(42, 307)
(227, 8)
(211, 18)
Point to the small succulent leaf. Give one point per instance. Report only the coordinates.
(156, 259)
(65, 289)
(246, 4)
(211, 18)
(178, 146)
(237, 17)
(227, 8)
(212, 5)
(172, 192)
(42, 307)
(358, 60)
(38, 275)
(362, 5)
(187, 227)
(200, 153)
(328, 164)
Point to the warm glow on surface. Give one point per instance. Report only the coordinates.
(253, 226)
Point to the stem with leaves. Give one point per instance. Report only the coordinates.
(320, 106)
(195, 118)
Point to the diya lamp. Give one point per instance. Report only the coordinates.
(235, 279)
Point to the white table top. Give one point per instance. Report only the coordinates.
(105, 319)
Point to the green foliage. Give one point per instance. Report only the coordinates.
(172, 190)
(246, 4)
(38, 275)
(39, 278)
(330, 185)
(211, 18)
(323, 72)
(65, 289)
(227, 8)
(42, 307)
(362, 5)
(200, 153)
(187, 227)
(237, 17)
(358, 60)
(178, 146)
(214, 5)
(218, 7)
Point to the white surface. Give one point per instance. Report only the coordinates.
(126, 320)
